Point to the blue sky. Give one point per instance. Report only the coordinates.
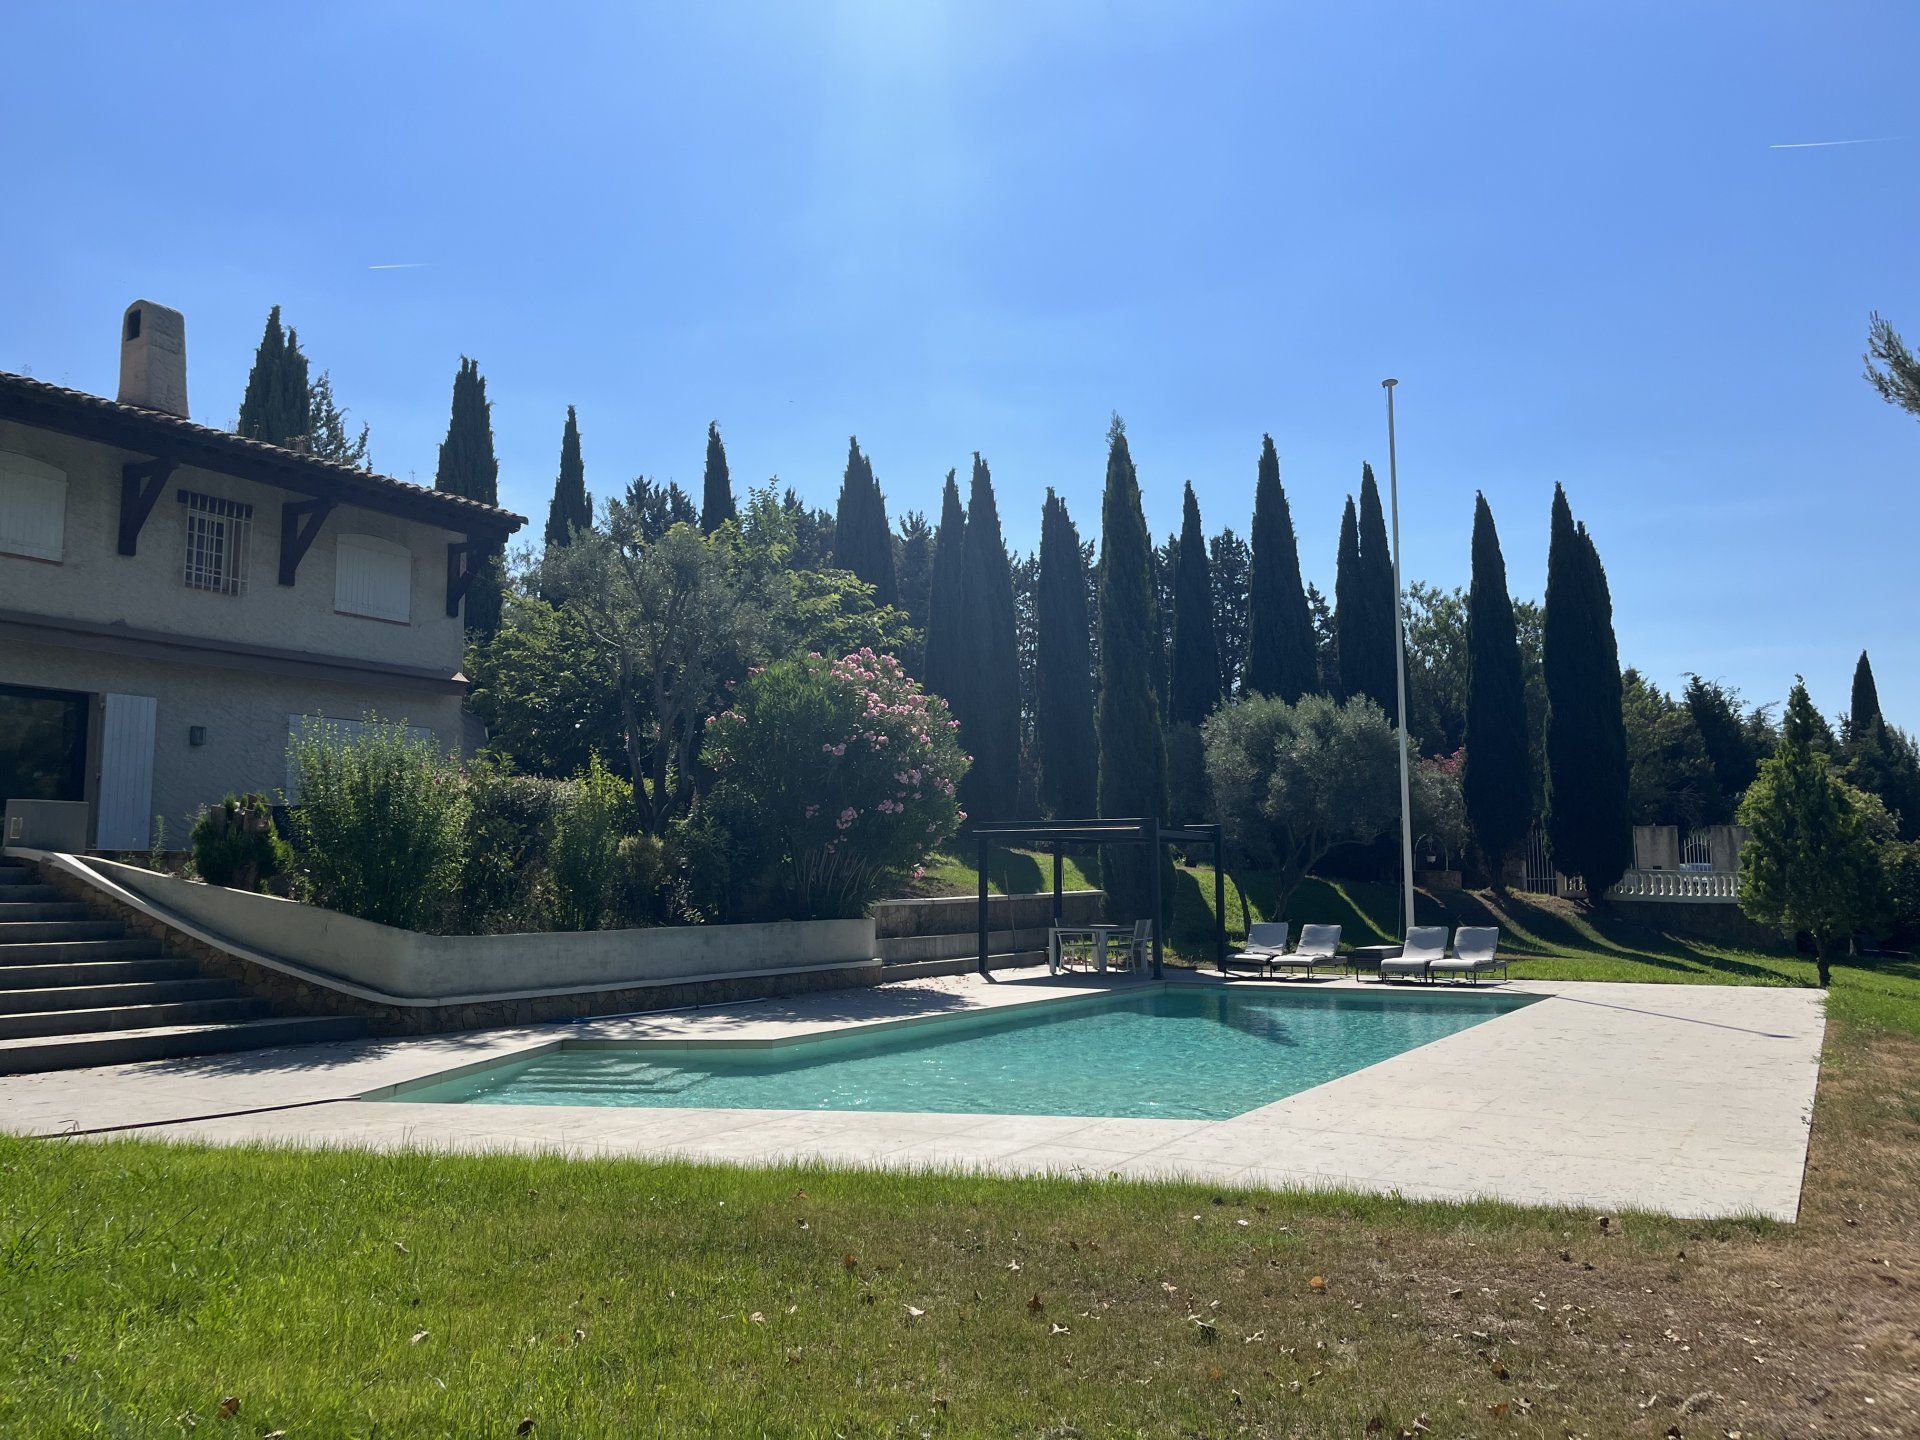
(949, 227)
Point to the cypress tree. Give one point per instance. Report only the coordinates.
(1196, 650)
(1281, 655)
(1498, 775)
(572, 507)
(1063, 683)
(915, 573)
(1133, 757)
(1864, 711)
(862, 539)
(468, 467)
(1376, 672)
(1349, 595)
(947, 623)
(1231, 561)
(989, 713)
(277, 408)
(1589, 824)
(716, 494)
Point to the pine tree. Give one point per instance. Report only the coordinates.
(1498, 775)
(1864, 713)
(1281, 658)
(1133, 757)
(571, 508)
(1063, 680)
(1589, 827)
(947, 623)
(862, 539)
(277, 408)
(716, 494)
(327, 435)
(1196, 649)
(990, 715)
(1349, 596)
(468, 467)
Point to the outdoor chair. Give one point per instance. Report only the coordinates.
(1266, 943)
(1139, 951)
(1316, 947)
(1474, 954)
(1425, 945)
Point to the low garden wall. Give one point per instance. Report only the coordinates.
(309, 960)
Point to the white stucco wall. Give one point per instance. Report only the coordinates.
(94, 582)
(244, 712)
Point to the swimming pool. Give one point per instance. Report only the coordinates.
(1173, 1052)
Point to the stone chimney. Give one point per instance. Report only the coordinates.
(153, 358)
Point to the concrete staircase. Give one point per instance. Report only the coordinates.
(76, 991)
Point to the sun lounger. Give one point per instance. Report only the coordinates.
(1425, 944)
(1316, 947)
(1475, 954)
(1266, 942)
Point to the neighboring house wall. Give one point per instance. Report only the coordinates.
(94, 582)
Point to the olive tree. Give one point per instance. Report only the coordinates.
(1293, 781)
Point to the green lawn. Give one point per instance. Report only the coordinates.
(1009, 872)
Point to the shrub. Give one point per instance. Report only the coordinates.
(593, 815)
(640, 894)
(381, 823)
(832, 776)
(235, 844)
(505, 885)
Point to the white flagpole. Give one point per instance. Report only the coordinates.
(1400, 667)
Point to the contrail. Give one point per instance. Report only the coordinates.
(408, 265)
(1825, 144)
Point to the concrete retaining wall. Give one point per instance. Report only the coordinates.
(444, 968)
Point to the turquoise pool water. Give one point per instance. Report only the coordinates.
(1179, 1052)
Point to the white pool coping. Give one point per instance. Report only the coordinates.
(1694, 1100)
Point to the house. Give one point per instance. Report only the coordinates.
(175, 601)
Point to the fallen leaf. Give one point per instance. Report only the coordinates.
(1013, 1265)
(1498, 1408)
(1059, 1329)
(525, 1427)
(757, 1318)
(914, 1312)
(1034, 1304)
(1499, 1368)
(849, 1262)
(418, 1336)
(579, 1335)
(1318, 1282)
(229, 1408)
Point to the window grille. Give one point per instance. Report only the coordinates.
(218, 535)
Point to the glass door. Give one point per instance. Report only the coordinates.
(43, 744)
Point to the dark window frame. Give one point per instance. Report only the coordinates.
(83, 703)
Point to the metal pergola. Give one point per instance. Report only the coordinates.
(1059, 835)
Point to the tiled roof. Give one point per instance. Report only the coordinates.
(155, 432)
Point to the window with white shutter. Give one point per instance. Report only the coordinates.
(373, 578)
(33, 508)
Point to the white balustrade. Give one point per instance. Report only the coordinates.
(1688, 886)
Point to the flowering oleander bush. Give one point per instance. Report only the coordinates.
(831, 778)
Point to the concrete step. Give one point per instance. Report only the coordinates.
(104, 997)
(120, 1047)
(12, 872)
(132, 1017)
(50, 974)
(899, 949)
(134, 948)
(20, 932)
(13, 910)
(27, 892)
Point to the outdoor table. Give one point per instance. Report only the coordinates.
(1368, 957)
(1097, 933)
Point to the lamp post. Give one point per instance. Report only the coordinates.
(1400, 668)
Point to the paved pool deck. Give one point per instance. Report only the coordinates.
(1693, 1100)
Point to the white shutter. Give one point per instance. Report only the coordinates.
(33, 508)
(373, 577)
(126, 773)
